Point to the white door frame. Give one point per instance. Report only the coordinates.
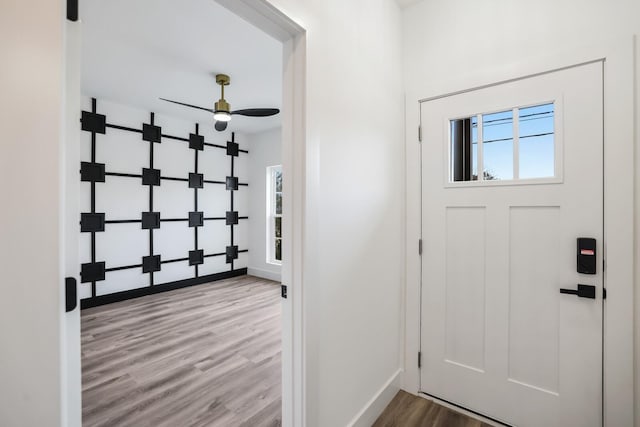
(281, 26)
(71, 374)
(619, 167)
(293, 36)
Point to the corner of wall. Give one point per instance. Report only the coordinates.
(376, 405)
(265, 148)
(636, 272)
(264, 274)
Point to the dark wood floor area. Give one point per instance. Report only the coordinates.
(407, 410)
(207, 355)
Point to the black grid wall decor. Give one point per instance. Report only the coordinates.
(151, 220)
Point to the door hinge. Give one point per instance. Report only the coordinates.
(419, 359)
(419, 133)
(283, 291)
(419, 246)
(604, 293)
(604, 264)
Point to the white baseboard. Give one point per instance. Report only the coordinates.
(265, 274)
(374, 407)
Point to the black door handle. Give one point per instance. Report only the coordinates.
(583, 291)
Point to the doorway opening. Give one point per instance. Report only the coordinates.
(179, 195)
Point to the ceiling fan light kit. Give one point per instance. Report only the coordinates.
(221, 116)
(222, 111)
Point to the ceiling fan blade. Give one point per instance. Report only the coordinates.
(188, 105)
(220, 126)
(257, 112)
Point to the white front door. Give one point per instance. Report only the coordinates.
(497, 335)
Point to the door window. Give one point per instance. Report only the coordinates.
(509, 145)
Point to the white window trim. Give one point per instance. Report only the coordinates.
(271, 214)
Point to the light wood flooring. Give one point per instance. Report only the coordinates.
(407, 410)
(207, 355)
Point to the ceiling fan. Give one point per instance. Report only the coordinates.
(222, 112)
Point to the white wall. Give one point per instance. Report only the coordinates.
(31, 115)
(637, 242)
(354, 194)
(124, 198)
(353, 248)
(264, 150)
(446, 43)
(448, 40)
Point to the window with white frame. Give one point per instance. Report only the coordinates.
(274, 214)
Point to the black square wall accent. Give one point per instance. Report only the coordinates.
(92, 272)
(150, 220)
(150, 263)
(93, 122)
(91, 222)
(196, 180)
(232, 253)
(195, 219)
(91, 172)
(196, 141)
(151, 133)
(232, 148)
(150, 176)
(196, 257)
(232, 217)
(232, 183)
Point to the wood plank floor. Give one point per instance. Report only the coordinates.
(407, 410)
(208, 355)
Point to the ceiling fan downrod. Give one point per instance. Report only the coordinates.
(222, 110)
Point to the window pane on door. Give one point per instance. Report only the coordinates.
(497, 145)
(464, 149)
(474, 148)
(536, 139)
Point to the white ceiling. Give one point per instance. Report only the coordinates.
(406, 3)
(134, 51)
